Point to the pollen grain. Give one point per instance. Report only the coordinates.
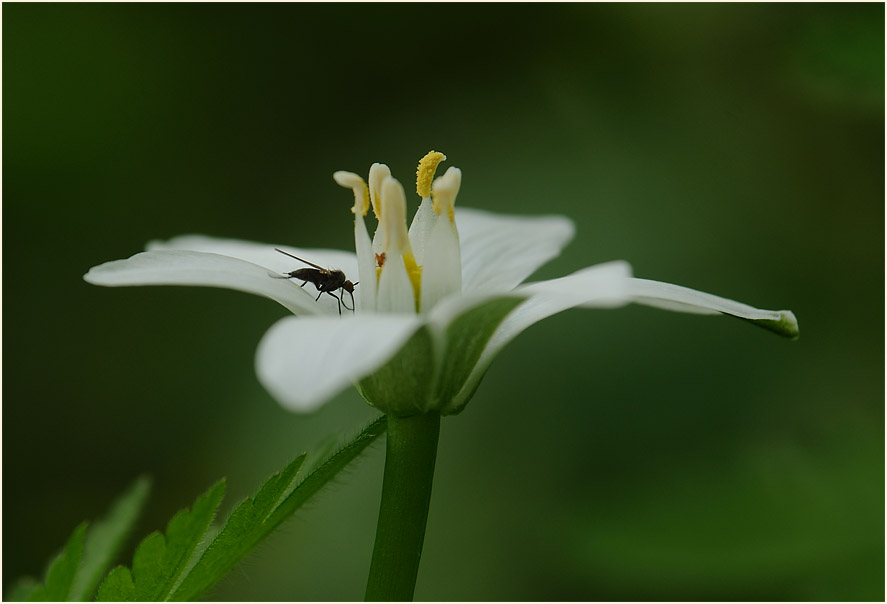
(425, 172)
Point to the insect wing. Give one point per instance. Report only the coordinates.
(313, 275)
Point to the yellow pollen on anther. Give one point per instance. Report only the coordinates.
(425, 172)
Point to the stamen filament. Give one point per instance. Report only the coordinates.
(350, 180)
(444, 192)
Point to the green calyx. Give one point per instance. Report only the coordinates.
(437, 371)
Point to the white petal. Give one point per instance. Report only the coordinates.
(366, 265)
(601, 286)
(262, 254)
(395, 293)
(378, 174)
(182, 267)
(683, 299)
(604, 285)
(500, 251)
(305, 361)
(442, 273)
(420, 228)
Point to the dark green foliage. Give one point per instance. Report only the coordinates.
(62, 570)
(161, 560)
(170, 566)
(105, 538)
(118, 585)
(74, 574)
(23, 589)
(256, 517)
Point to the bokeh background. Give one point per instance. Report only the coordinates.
(628, 454)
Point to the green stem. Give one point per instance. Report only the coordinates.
(406, 492)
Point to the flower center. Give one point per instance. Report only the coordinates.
(406, 270)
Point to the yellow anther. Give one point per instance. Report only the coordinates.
(425, 172)
(444, 191)
(352, 181)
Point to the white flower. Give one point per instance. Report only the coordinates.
(433, 304)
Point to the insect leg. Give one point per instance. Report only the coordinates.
(318, 295)
(343, 299)
(337, 300)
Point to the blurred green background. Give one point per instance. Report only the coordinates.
(628, 454)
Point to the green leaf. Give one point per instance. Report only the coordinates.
(74, 574)
(161, 560)
(117, 587)
(62, 570)
(105, 537)
(23, 589)
(255, 518)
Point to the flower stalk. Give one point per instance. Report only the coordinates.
(411, 451)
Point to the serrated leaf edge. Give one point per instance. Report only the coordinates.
(292, 502)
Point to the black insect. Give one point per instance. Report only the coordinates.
(324, 279)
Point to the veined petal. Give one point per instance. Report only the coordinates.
(423, 221)
(184, 267)
(442, 273)
(500, 251)
(683, 299)
(262, 254)
(367, 265)
(604, 285)
(303, 362)
(395, 293)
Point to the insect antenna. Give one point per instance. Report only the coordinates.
(300, 259)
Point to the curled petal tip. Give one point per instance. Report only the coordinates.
(786, 325)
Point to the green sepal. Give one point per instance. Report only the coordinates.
(433, 371)
(466, 339)
(404, 386)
